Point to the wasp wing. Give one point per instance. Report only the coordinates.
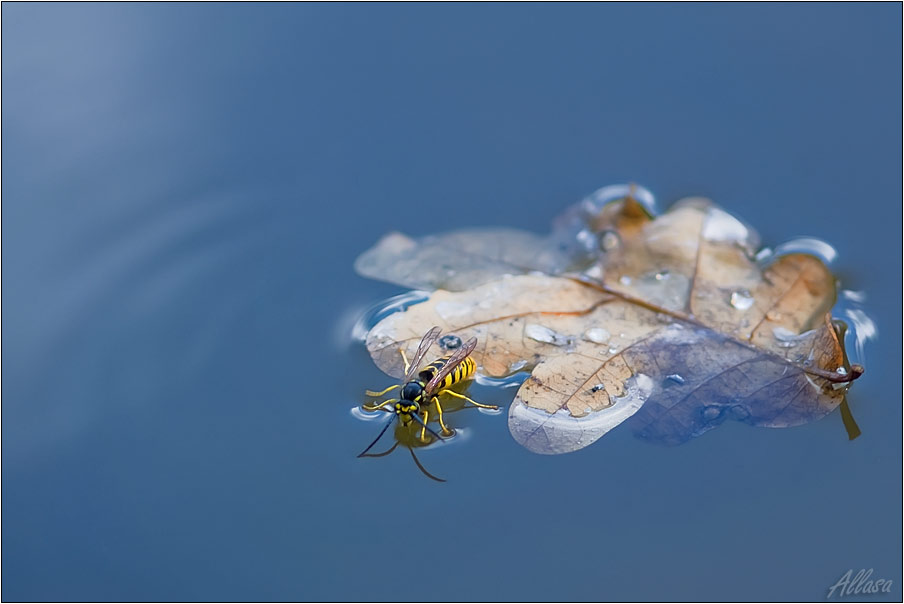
(426, 342)
(454, 361)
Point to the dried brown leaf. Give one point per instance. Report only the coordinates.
(677, 326)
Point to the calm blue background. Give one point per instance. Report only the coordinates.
(185, 188)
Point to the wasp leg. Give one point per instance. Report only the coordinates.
(457, 395)
(381, 405)
(439, 410)
(404, 358)
(424, 428)
(381, 392)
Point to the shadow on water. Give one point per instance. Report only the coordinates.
(413, 435)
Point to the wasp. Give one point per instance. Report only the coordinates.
(420, 389)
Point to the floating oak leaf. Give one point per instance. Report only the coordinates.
(675, 326)
(463, 259)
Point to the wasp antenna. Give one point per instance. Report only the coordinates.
(423, 469)
(386, 427)
(429, 429)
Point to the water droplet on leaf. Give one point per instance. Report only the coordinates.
(597, 335)
(586, 239)
(518, 365)
(541, 333)
(449, 342)
(609, 241)
(594, 272)
(741, 299)
(787, 338)
(677, 378)
(711, 412)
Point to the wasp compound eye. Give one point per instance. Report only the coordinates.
(411, 391)
(450, 342)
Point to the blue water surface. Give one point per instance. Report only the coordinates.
(186, 186)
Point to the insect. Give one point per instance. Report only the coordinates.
(421, 389)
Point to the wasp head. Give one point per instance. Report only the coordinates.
(407, 408)
(412, 391)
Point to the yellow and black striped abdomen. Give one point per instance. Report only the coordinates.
(462, 372)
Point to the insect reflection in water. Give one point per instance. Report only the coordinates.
(420, 391)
